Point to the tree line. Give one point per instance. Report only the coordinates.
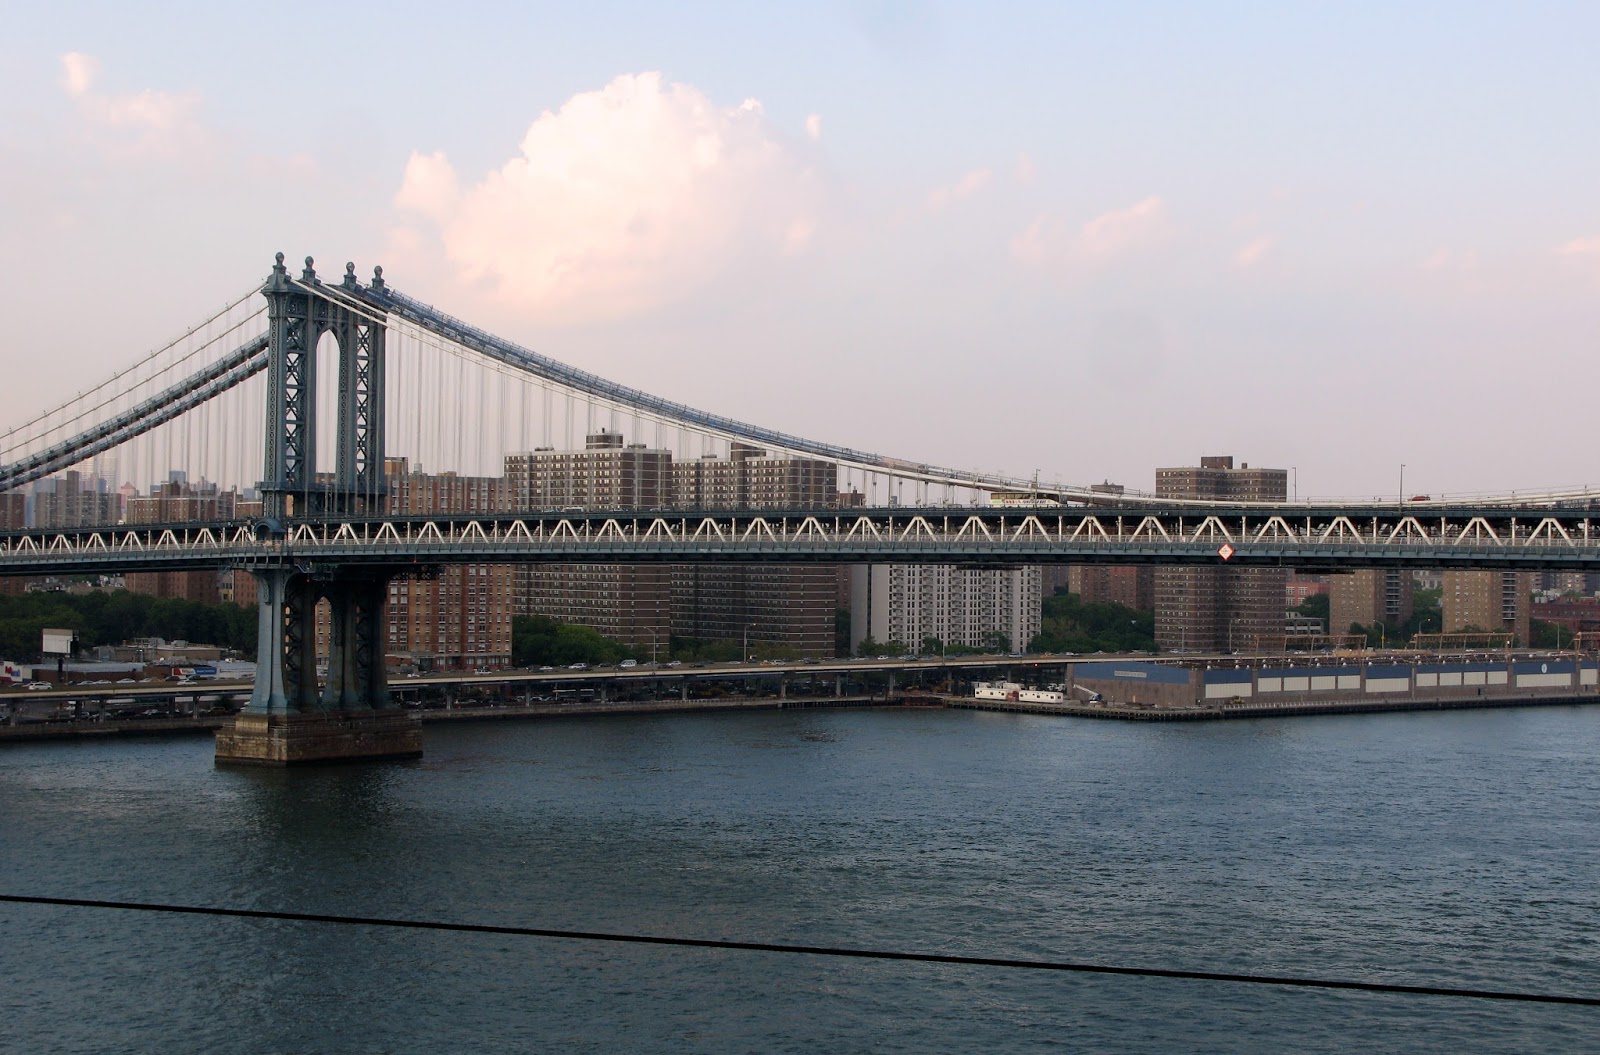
(112, 617)
(1071, 624)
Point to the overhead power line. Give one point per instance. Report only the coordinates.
(819, 950)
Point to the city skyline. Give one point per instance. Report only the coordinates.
(1338, 241)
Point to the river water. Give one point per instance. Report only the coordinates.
(1451, 849)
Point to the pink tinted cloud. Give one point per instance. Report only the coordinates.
(624, 199)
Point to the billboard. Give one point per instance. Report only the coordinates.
(59, 642)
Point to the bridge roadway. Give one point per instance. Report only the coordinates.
(1306, 537)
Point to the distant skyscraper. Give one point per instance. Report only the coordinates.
(74, 500)
(1219, 608)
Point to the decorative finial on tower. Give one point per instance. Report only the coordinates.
(350, 281)
(279, 279)
(310, 273)
(377, 277)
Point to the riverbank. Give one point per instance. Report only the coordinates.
(144, 727)
(140, 727)
(1305, 709)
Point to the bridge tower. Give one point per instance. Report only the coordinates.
(288, 719)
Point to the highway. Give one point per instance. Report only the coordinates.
(188, 697)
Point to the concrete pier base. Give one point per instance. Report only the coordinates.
(297, 739)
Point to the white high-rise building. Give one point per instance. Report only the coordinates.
(909, 603)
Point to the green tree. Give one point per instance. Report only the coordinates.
(110, 618)
(541, 641)
(1070, 624)
(1314, 607)
(1427, 613)
(1544, 634)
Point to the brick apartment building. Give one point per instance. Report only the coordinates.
(1220, 608)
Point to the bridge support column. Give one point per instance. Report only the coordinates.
(287, 721)
(357, 677)
(283, 681)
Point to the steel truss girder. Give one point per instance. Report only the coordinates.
(1536, 538)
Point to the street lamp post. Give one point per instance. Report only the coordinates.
(747, 643)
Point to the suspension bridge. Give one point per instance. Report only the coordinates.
(307, 392)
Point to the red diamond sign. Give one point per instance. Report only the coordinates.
(1226, 551)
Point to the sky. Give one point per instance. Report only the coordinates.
(1083, 240)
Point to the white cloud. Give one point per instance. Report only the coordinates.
(1585, 251)
(1450, 260)
(144, 119)
(1251, 252)
(963, 188)
(1126, 230)
(626, 198)
(429, 187)
(1051, 242)
(814, 127)
(78, 72)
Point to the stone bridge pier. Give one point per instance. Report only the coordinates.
(290, 718)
